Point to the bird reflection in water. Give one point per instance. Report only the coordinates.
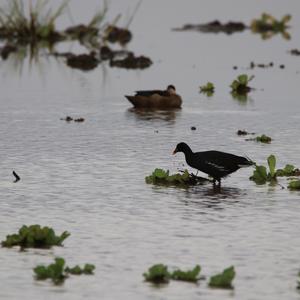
(213, 197)
(146, 114)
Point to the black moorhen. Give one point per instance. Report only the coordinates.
(214, 163)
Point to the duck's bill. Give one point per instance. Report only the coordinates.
(174, 152)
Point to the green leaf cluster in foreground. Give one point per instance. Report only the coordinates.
(159, 274)
(261, 175)
(162, 177)
(189, 275)
(288, 170)
(207, 89)
(294, 185)
(54, 271)
(57, 271)
(224, 279)
(35, 236)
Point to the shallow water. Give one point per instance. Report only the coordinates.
(88, 178)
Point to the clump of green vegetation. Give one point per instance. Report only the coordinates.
(54, 271)
(263, 139)
(157, 274)
(260, 174)
(38, 23)
(224, 279)
(57, 271)
(294, 185)
(88, 269)
(267, 26)
(207, 89)
(240, 85)
(190, 275)
(162, 177)
(288, 170)
(35, 236)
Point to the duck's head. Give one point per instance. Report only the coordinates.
(182, 147)
(171, 89)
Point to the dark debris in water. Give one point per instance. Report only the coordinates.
(6, 50)
(83, 62)
(80, 31)
(132, 62)
(118, 35)
(261, 65)
(215, 27)
(243, 132)
(295, 52)
(70, 119)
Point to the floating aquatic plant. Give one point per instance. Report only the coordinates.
(263, 139)
(88, 269)
(35, 236)
(267, 26)
(294, 185)
(288, 170)
(190, 275)
(224, 279)
(57, 271)
(162, 177)
(207, 89)
(240, 85)
(54, 271)
(157, 274)
(260, 174)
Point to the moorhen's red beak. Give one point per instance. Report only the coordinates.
(174, 152)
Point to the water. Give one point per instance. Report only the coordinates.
(88, 178)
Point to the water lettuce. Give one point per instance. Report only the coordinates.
(35, 236)
(224, 279)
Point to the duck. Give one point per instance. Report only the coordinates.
(216, 164)
(156, 99)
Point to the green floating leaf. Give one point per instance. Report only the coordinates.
(263, 139)
(35, 236)
(272, 165)
(224, 279)
(161, 177)
(88, 269)
(243, 79)
(157, 274)
(54, 271)
(240, 85)
(207, 89)
(260, 175)
(294, 185)
(288, 170)
(57, 271)
(190, 275)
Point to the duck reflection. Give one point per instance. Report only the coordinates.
(147, 114)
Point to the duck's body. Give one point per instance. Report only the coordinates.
(216, 164)
(156, 99)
